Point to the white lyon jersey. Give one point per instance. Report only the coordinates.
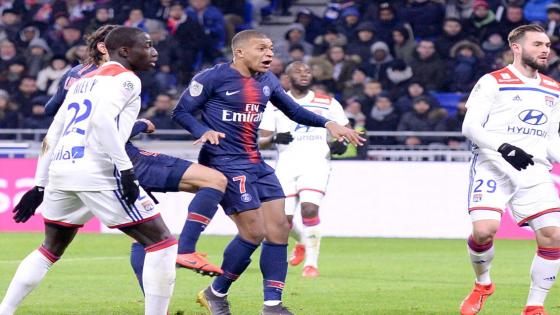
(87, 138)
(310, 143)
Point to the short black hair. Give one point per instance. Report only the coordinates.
(94, 56)
(245, 36)
(122, 36)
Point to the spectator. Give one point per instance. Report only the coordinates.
(458, 9)
(37, 56)
(382, 117)
(71, 36)
(353, 110)
(10, 24)
(8, 114)
(295, 34)
(54, 32)
(420, 119)
(359, 47)
(465, 66)
(331, 38)
(322, 71)
(425, 17)
(136, 19)
(159, 9)
(397, 77)
(492, 46)
(160, 115)
(372, 88)
(13, 75)
(27, 90)
(313, 25)
(386, 22)
(348, 21)
(415, 89)
(297, 53)
(427, 66)
(177, 15)
(357, 122)
(377, 66)
(277, 66)
(503, 59)
(167, 50)
(37, 119)
(482, 21)
(76, 53)
(403, 44)
(342, 67)
(8, 53)
(237, 16)
(49, 77)
(102, 17)
(552, 25)
(452, 34)
(513, 18)
(535, 10)
(212, 22)
(455, 123)
(26, 35)
(190, 40)
(355, 87)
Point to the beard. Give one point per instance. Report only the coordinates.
(533, 63)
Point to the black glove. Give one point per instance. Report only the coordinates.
(283, 138)
(129, 186)
(30, 201)
(516, 156)
(339, 147)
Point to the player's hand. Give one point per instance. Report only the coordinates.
(338, 147)
(30, 201)
(150, 125)
(211, 136)
(129, 186)
(341, 133)
(516, 156)
(282, 138)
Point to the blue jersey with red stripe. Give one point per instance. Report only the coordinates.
(233, 104)
(67, 79)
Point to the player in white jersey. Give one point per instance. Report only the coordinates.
(303, 161)
(90, 174)
(512, 119)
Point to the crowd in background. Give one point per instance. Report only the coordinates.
(392, 64)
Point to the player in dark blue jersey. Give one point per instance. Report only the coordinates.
(232, 98)
(157, 172)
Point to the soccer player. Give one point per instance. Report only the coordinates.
(303, 164)
(157, 172)
(512, 119)
(87, 166)
(231, 98)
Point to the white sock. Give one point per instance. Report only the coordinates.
(29, 274)
(543, 275)
(272, 302)
(297, 230)
(481, 262)
(312, 241)
(159, 279)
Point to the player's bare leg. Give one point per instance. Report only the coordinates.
(545, 266)
(481, 252)
(35, 266)
(311, 238)
(209, 186)
(159, 264)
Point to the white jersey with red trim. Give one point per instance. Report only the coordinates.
(310, 143)
(85, 143)
(507, 107)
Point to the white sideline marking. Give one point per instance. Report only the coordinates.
(78, 259)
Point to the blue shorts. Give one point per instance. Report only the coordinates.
(248, 186)
(159, 172)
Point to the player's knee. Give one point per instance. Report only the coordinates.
(309, 210)
(484, 234)
(254, 234)
(549, 236)
(220, 181)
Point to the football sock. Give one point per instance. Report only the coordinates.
(481, 258)
(544, 270)
(202, 209)
(237, 256)
(312, 240)
(29, 274)
(274, 267)
(159, 276)
(296, 231)
(137, 254)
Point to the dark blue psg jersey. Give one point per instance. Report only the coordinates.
(67, 79)
(234, 104)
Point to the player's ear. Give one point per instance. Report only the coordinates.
(124, 52)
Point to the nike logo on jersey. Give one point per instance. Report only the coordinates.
(228, 93)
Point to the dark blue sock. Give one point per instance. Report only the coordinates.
(237, 256)
(137, 255)
(274, 267)
(201, 211)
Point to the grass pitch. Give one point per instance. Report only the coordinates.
(358, 276)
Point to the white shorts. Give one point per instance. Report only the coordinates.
(75, 208)
(491, 189)
(303, 184)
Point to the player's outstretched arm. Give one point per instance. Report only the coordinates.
(342, 133)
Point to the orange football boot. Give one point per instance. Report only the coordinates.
(310, 272)
(473, 303)
(534, 310)
(298, 255)
(198, 263)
